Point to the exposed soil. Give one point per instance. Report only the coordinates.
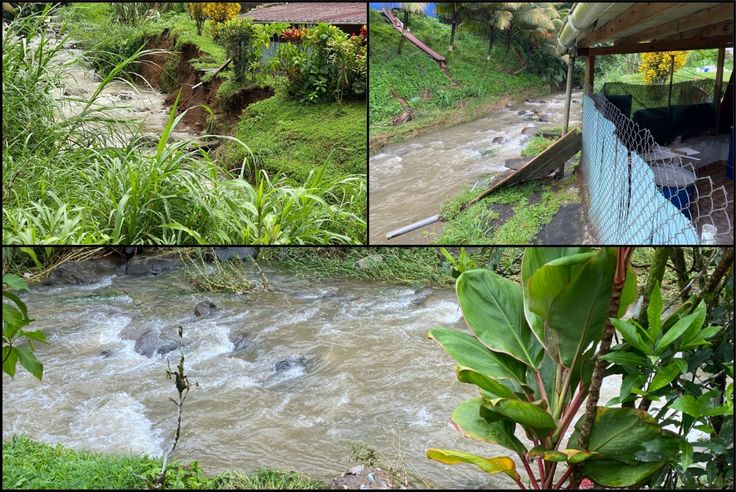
(188, 78)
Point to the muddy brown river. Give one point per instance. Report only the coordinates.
(410, 180)
(370, 375)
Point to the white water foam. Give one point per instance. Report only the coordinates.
(115, 423)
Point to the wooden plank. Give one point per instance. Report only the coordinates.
(399, 26)
(541, 166)
(663, 45)
(636, 14)
(697, 20)
(719, 29)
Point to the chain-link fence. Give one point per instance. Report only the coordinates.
(641, 193)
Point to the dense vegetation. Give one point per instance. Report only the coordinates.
(480, 73)
(529, 355)
(64, 181)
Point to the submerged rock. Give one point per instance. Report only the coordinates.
(150, 265)
(241, 342)
(529, 130)
(225, 253)
(363, 477)
(204, 308)
(499, 140)
(293, 361)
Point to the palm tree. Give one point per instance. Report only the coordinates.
(534, 21)
(409, 8)
(454, 11)
(489, 18)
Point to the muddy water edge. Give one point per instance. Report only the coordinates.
(410, 180)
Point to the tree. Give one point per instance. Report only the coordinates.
(409, 8)
(656, 67)
(219, 12)
(197, 12)
(454, 11)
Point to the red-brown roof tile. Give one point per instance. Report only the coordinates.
(312, 13)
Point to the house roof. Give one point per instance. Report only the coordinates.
(631, 27)
(311, 13)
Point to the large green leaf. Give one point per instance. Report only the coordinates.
(628, 293)
(469, 353)
(493, 307)
(14, 282)
(535, 258)
(632, 336)
(675, 332)
(667, 373)
(612, 473)
(500, 464)
(618, 433)
(654, 312)
(467, 419)
(567, 300)
(522, 412)
(496, 387)
(30, 362)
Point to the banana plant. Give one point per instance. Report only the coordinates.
(531, 353)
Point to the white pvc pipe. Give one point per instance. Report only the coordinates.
(414, 226)
(582, 16)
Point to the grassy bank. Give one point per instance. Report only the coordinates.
(294, 138)
(29, 464)
(476, 85)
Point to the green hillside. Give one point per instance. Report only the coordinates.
(475, 84)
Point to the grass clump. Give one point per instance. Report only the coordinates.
(536, 146)
(29, 464)
(479, 223)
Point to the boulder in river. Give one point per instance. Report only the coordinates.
(242, 342)
(225, 253)
(369, 262)
(499, 140)
(204, 308)
(529, 130)
(150, 265)
(150, 343)
(363, 477)
(83, 272)
(75, 91)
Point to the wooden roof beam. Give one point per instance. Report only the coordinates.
(722, 28)
(630, 17)
(660, 45)
(694, 21)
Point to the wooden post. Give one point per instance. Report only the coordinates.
(719, 86)
(589, 74)
(568, 96)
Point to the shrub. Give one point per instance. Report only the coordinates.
(237, 36)
(197, 12)
(323, 64)
(656, 67)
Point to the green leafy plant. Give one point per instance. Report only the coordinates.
(660, 363)
(531, 353)
(237, 36)
(15, 319)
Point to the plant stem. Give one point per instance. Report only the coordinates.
(564, 477)
(622, 260)
(529, 472)
(550, 475)
(569, 414)
(542, 391)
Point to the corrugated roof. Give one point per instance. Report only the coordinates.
(312, 13)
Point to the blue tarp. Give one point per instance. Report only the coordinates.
(430, 10)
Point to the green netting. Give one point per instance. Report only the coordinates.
(684, 109)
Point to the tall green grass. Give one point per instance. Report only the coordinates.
(64, 182)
